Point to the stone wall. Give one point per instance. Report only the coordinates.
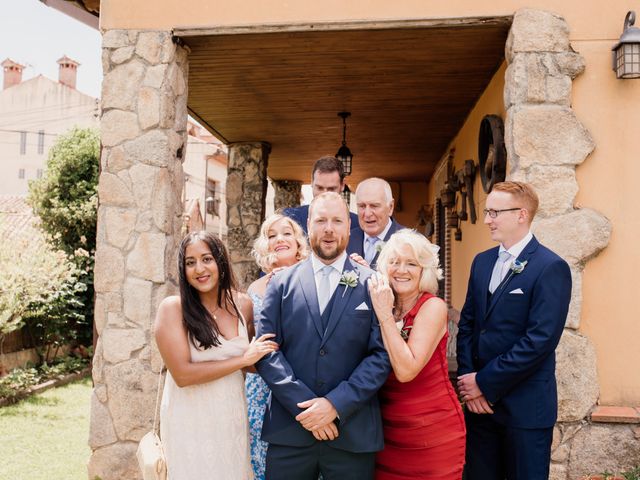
(246, 192)
(287, 194)
(144, 119)
(545, 142)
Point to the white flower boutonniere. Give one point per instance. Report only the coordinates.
(518, 267)
(348, 279)
(379, 246)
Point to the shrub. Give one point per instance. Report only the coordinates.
(66, 200)
(33, 275)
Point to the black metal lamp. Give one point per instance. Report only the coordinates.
(626, 53)
(346, 194)
(344, 154)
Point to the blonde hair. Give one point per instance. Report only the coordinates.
(424, 251)
(264, 258)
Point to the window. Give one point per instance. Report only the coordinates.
(211, 197)
(23, 143)
(39, 173)
(21, 173)
(40, 142)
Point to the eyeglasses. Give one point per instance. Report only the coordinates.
(494, 213)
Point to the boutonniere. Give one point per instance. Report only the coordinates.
(348, 279)
(379, 246)
(518, 266)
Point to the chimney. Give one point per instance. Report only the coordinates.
(12, 73)
(68, 71)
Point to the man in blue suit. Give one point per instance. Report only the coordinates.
(327, 176)
(376, 224)
(323, 415)
(510, 325)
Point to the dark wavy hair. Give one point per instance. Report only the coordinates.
(200, 324)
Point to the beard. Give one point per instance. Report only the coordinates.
(327, 253)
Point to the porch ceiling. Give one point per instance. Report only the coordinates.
(409, 88)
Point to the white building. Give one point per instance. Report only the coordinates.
(33, 113)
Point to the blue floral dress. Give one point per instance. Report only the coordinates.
(257, 396)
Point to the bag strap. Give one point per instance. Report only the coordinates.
(156, 415)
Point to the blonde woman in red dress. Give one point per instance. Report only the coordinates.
(424, 431)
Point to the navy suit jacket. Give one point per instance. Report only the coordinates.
(301, 215)
(356, 241)
(346, 364)
(509, 338)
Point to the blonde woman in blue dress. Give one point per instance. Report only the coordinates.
(203, 339)
(281, 243)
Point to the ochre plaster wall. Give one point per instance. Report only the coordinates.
(609, 109)
(593, 19)
(475, 238)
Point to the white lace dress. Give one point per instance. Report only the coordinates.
(204, 428)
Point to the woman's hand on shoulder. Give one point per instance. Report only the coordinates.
(259, 347)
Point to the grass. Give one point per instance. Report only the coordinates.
(44, 437)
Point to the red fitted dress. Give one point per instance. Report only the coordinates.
(424, 432)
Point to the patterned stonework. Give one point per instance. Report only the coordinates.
(144, 99)
(545, 142)
(246, 192)
(287, 193)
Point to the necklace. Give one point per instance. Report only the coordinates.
(213, 312)
(400, 311)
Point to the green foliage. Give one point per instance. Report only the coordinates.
(17, 383)
(32, 274)
(633, 474)
(66, 200)
(66, 197)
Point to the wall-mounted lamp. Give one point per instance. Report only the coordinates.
(344, 154)
(626, 53)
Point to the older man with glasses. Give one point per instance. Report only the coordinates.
(510, 325)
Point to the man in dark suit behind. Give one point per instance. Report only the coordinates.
(375, 203)
(323, 414)
(327, 176)
(514, 314)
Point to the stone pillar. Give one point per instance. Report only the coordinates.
(246, 192)
(287, 193)
(545, 142)
(144, 116)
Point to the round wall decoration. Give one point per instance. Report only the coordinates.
(492, 154)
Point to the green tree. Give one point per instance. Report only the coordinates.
(66, 197)
(66, 200)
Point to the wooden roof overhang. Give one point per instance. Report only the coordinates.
(408, 85)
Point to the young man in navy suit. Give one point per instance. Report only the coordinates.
(514, 314)
(327, 176)
(323, 415)
(375, 222)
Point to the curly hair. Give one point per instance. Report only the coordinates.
(266, 259)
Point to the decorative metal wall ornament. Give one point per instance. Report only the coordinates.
(492, 154)
(626, 53)
(344, 154)
(425, 220)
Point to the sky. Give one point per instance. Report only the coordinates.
(35, 35)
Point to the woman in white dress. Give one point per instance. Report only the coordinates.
(203, 339)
